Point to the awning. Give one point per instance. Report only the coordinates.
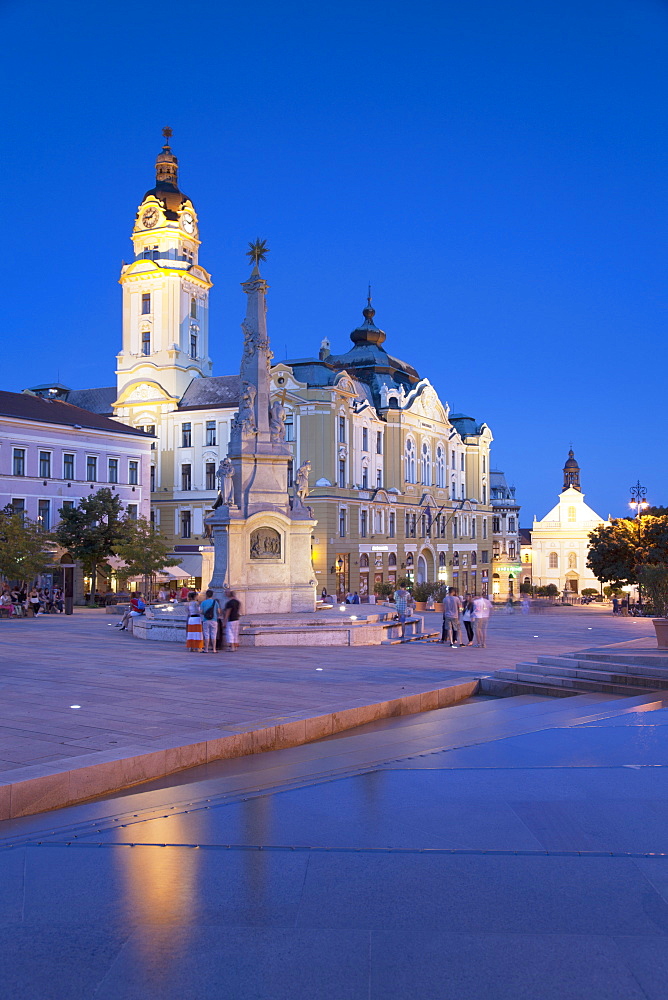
(191, 565)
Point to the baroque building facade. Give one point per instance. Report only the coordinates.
(505, 538)
(560, 541)
(400, 487)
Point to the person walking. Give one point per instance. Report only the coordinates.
(231, 620)
(451, 609)
(194, 641)
(467, 618)
(402, 601)
(481, 610)
(210, 609)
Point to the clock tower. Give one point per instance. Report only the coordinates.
(165, 291)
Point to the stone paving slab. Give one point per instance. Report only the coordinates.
(152, 709)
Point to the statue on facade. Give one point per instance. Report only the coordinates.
(225, 477)
(245, 417)
(301, 480)
(277, 422)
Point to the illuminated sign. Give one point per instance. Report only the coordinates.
(380, 548)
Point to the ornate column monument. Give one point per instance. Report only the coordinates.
(261, 534)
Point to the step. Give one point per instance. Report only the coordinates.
(568, 683)
(509, 688)
(658, 660)
(604, 674)
(605, 665)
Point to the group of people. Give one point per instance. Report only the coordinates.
(17, 601)
(469, 615)
(471, 612)
(208, 621)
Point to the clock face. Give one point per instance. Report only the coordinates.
(188, 222)
(150, 218)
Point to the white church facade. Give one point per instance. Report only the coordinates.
(560, 540)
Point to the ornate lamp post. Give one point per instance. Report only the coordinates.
(639, 504)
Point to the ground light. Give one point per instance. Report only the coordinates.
(75, 706)
(318, 668)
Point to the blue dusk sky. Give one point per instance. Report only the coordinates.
(497, 170)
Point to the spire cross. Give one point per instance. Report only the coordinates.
(167, 132)
(257, 251)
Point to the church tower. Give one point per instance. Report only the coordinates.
(165, 291)
(571, 472)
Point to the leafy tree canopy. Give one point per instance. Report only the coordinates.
(25, 549)
(92, 531)
(143, 548)
(619, 550)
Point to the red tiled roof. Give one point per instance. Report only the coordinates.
(25, 406)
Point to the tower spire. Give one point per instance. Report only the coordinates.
(571, 473)
(166, 165)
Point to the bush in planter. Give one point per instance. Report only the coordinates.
(422, 592)
(404, 581)
(383, 589)
(439, 592)
(654, 581)
(590, 592)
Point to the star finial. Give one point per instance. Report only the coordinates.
(167, 132)
(257, 251)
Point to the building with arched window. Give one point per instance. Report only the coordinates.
(559, 545)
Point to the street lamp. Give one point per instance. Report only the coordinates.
(341, 581)
(639, 504)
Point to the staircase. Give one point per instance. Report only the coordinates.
(621, 673)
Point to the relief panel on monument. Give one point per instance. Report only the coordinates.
(265, 543)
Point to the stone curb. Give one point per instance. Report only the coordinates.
(43, 787)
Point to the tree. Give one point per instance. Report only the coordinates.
(25, 549)
(654, 579)
(92, 531)
(589, 592)
(618, 551)
(526, 588)
(550, 590)
(143, 549)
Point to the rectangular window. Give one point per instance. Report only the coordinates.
(484, 556)
(44, 515)
(365, 439)
(185, 478)
(342, 523)
(193, 308)
(68, 505)
(472, 527)
(379, 442)
(484, 527)
(289, 427)
(211, 433)
(511, 524)
(461, 458)
(496, 524)
(146, 303)
(132, 511)
(193, 345)
(153, 479)
(91, 469)
(45, 464)
(19, 465)
(454, 461)
(185, 524)
(113, 470)
(379, 479)
(342, 473)
(68, 466)
(392, 525)
(455, 526)
(511, 550)
(186, 435)
(363, 523)
(291, 474)
(133, 473)
(150, 429)
(365, 479)
(342, 430)
(484, 494)
(146, 342)
(19, 507)
(210, 471)
(413, 525)
(407, 524)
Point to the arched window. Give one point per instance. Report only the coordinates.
(455, 558)
(571, 514)
(409, 559)
(364, 561)
(572, 560)
(553, 560)
(441, 560)
(426, 465)
(193, 307)
(440, 466)
(410, 461)
(392, 559)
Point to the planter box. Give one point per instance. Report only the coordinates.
(420, 605)
(438, 607)
(661, 629)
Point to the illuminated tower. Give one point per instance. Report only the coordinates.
(571, 472)
(165, 291)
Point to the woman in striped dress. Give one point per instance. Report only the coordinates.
(194, 638)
